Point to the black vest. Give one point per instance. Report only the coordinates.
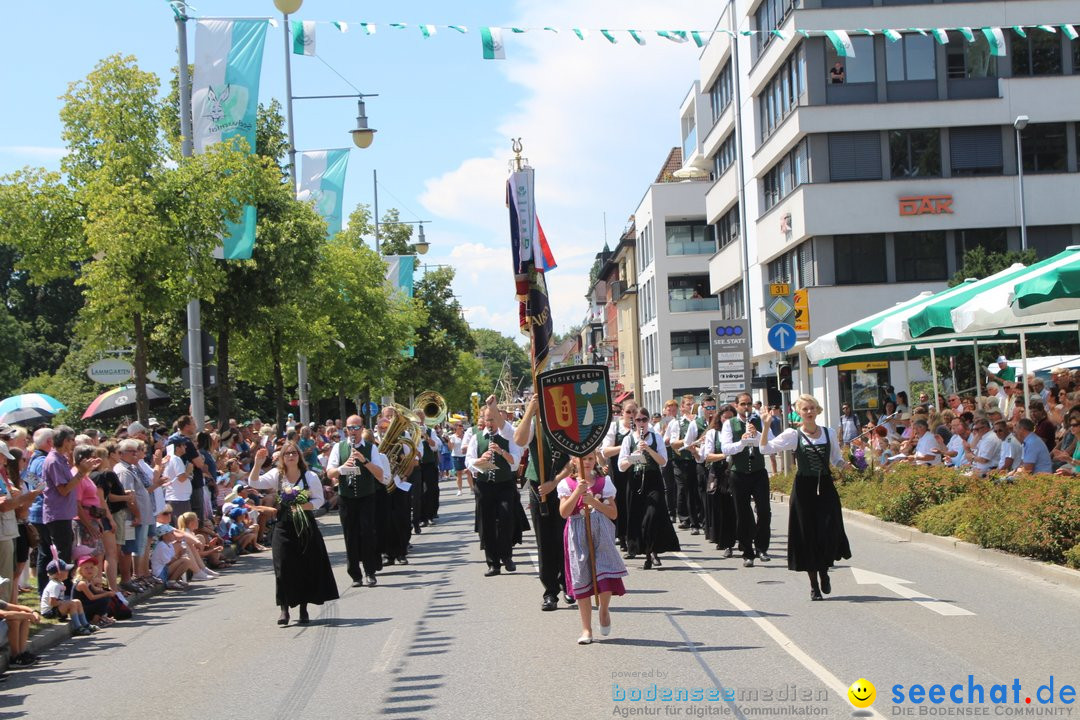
(749, 459)
(502, 471)
(363, 483)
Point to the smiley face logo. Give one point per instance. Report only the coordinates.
(862, 692)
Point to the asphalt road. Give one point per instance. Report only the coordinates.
(436, 639)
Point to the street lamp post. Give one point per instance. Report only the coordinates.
(1019, 124)
(421, 245)
(362, 137)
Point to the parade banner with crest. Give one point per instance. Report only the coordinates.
(575, 407)
(224, 101)
(322, 180)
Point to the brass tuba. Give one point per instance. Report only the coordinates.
(433, 405)
(403, 433)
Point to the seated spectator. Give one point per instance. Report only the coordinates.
(1011, 449)
(88, 590)
(1035, 457)
(18, 619)
(167, 560)
(194, 546)
(985, 448)
(235, 530)
(54, 602)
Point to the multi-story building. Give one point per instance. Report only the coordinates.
(864, 179)
(675, 306)
(615, 290)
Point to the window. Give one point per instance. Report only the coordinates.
(975, 150)
(969, 60)
(689, 349)
(781, 94)
(690, 293)
(1037, 54)
(694, 237)
(720, 92)
(780, 269)
(915, 153)
(731, 302)
(689, 130)
(992, 240)
(857, 69)
(804, 264)
(859, 259)
(920, 256)
(770, 15)
(725, 156)
(786, 175)
(910, 58)
(645, 247)
(854, 156)
(727, 227)
(1044, 147)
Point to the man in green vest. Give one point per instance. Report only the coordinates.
(749, 480)
(359, 470)
(493, 461)
(546, 520)
(682, 434)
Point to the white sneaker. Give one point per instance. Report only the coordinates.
(201, 575)
(458, 492)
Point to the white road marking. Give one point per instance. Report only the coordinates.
(388, 650)
(785, 643)
(898, 586)
(535, 561)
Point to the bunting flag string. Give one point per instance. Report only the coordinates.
(303, 34)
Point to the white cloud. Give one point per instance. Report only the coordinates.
(35, 153)
(597, 121)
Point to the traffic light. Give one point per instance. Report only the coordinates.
(783, 373)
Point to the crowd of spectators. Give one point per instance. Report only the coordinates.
(990, 435)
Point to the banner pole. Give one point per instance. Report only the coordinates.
(592, 555)
(539, 427)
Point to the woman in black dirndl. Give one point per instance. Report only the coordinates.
(302, 568)
(648, 529)
(719, 502)
(816, 536)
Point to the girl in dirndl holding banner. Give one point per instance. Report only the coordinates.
(585, 488)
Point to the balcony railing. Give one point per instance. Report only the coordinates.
(689, 362)
(693, 304)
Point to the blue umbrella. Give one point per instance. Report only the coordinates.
(32, 400)
(29, 417)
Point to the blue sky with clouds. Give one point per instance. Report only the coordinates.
(597, 120)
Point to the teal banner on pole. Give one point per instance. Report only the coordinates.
(322, 181)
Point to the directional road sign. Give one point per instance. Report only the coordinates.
(370, 408)
(781, 337)
(779, 304)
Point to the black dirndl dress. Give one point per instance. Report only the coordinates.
(648, 526)
(302, 570)
(719, 506)
(621, 481)
(816, 536)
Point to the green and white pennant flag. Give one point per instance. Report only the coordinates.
(996, 38)
(607, 33)
(427, 30)
(637, 37)
(1070, 32)
(368, 28)
(675, 36)
(841, 43)
(341, 25)
(581, 33)
(303, 36)
(893, 35)
(492, 41)
(940, 35)
(966, 32)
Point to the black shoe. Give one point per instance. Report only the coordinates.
(815, 594)
(656, 561)
(492, 571)
(695, 531)
(569, 600)
(550, 603)
(727, 553)
(371, 581)
(684, 525)
(510, 566)
(826, 584)
(358, 583)
(389, 561)
(764, 556)
(748, 562)
(416, 530)
(648, 563)
(303, 616)
(283, 618)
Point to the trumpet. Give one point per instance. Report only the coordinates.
(433, 405)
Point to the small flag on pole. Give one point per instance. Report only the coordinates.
(996, 38)
(303, 36)
(491, 37)
(841, 43)
(941, 36)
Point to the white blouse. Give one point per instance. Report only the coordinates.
(272, 481)
(789, 440)
(564, 489)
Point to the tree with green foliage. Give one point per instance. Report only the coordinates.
(441, 337)
(493, 348)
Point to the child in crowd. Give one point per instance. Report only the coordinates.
(167, 560)
(199, 551)
(88, 590)
(236, 530)
(54, 602)
(585, 487)
(18, 619)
